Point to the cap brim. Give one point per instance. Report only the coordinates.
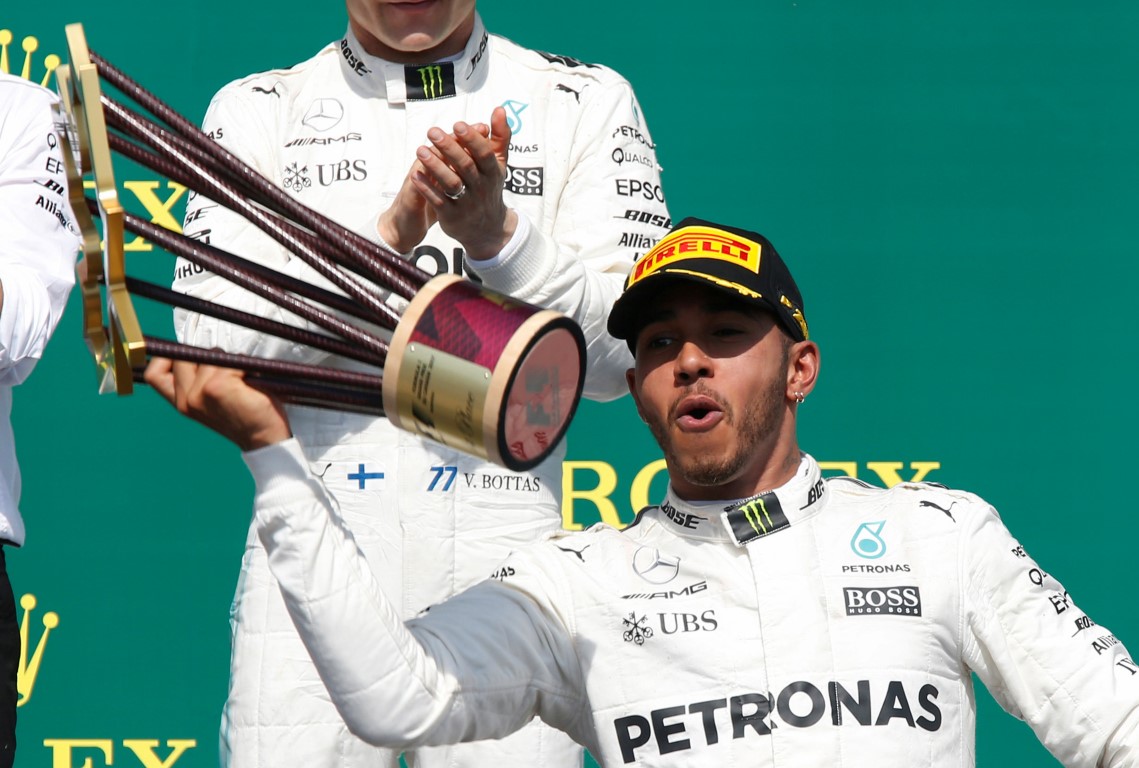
(626, 316)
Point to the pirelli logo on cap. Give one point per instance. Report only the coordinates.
(698, 243)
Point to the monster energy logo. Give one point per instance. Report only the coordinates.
(757, 517)
(434, 81)
(757, 514)
(432, 78)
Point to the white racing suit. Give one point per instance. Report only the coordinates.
(825, 623)
(38, 245)
(339, 132)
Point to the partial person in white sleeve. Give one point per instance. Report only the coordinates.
(38, 246)
(468, 154)
(734, 624)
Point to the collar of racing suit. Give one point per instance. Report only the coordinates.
(401, 83)
(739, 522)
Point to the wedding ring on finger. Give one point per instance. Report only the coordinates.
(456, 195)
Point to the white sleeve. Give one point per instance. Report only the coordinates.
(478, 666)
(39, 242)
(1042, 657)
(610, 213)
(247, 132)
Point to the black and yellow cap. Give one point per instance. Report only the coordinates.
(741, 263)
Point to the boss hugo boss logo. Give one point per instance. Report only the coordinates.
(882, 601)
(525, 181)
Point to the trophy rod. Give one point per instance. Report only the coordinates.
(336, 346)
(208, 258)
(369, 402)
(318, 223)
(219, 192)
(151, 159)
(172, 171)
(278, 368)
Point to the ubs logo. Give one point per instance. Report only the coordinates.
(635, 630)
(655, 567)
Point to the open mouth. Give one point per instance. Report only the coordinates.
(698, 412)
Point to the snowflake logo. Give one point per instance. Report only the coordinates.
(297, 179)
(636, 631)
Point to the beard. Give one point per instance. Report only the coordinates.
(760, 420)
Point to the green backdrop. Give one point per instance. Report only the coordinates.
(954, 183)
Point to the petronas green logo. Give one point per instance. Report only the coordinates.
(432, 78)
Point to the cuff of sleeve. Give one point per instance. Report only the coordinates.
(521, 264)
(372, 233)
(276, 469)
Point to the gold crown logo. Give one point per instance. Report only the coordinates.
(30, 45)
(26, 675)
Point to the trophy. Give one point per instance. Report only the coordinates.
(465, 366)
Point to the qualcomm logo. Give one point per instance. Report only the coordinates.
(654, 567)
(867, 540)
(29, 45)
(514, 111)
(323, 114)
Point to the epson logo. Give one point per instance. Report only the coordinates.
(638, 188)
(525, 181)
(882, 601)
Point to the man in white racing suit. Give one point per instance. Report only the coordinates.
(579, 197)
(761, 615)
(38, 245)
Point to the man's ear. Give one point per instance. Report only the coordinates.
(631, 380)
(802, 369)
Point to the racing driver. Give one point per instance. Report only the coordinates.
(730, 625)
(553, 206)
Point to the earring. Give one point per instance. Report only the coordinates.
(799, 397)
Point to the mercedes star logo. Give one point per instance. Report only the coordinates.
(323, 114)
(654, 567)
